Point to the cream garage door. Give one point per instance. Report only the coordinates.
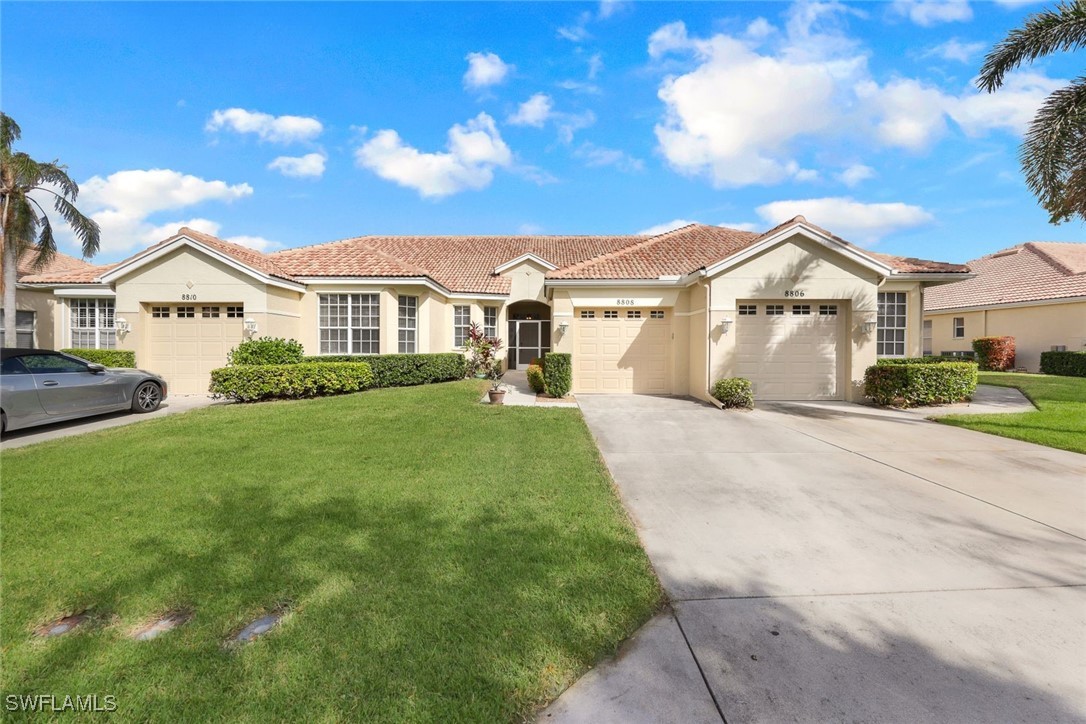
(789, 350)
(622, 350)
(187, 342)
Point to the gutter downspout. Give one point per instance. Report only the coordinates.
(708, 337)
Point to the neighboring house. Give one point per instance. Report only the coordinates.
(34, 307)
(1034, 292)
(799, 311)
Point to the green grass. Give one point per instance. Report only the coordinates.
(442, 560)
(1059, 421)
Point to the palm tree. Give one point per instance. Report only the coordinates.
(1053, 154)
(24, 224)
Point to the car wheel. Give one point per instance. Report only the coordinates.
(3, 423)
(147, 398)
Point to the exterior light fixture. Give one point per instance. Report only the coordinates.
(867, 327)
(563, 326)
(250, 326)
(121, 325)
(725, 324)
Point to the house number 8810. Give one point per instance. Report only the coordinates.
(188, 297)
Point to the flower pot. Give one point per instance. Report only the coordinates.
(497, 397)
(480, 375)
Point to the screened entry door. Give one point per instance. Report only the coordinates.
(528, 339)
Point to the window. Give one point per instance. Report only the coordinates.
(748, 310)
(927, 338)
(891, 325)
(1059, 348)
(92, 324)
(774, 310)
(24, 328)
(12, 366)
(588, 314)
(656, 314)
(235, 312)
(801, 309)
(160, 312)
(209, 312)
(959, 327)
(490, 321)
(829, 310)
(349, 323)
(610, 314)
(408, 324)
(461, 324)
(40, 364)
(633, 314)
(186, 312)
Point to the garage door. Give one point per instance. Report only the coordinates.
(187, 342)
(622, 350)
(789, 351)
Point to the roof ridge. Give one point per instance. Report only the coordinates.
(1036, 248)
(627, 249)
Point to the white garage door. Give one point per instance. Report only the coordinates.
(622, 350)
(187, 342)
(789, 350)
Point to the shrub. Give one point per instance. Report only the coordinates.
(406, 370)
(1067, 364)
(535, 378)
(537, 361)
(994, 354)
(908, 385)
(558, 374)
(107, 357)
(929, 360)
(248, 383)
(266, 351)
(734, 392)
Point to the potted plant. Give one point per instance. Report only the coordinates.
(482, 351)
(496, 392)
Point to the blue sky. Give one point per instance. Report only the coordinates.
(281, 124)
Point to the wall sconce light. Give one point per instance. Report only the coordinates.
(121, 325)
(563, 326)
(250, 326)
(725, 324)
(867, 327)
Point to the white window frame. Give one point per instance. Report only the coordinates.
(957, 325)
(490, 321)
(892, 324)
(356, 314)
(22, 328)
(407, 324)
(90, 323)
(461, 324)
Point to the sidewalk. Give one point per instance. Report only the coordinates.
(519, 394)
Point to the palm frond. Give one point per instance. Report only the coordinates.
(1052, 154)
(57, 175)
(85, 228)
(46, 245)
(1046, 32)
(9, 133)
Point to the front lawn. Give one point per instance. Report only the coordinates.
(1059, 421)
(441, 560)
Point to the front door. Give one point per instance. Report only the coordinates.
(528, 339)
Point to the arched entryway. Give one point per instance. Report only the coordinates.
(529, 332)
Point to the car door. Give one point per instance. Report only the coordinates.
(67, 387)
(20, 395)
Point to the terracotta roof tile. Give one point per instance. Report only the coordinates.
(61, 267)
(1029, 272)
(250, 257)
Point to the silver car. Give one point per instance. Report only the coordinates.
(40, 386)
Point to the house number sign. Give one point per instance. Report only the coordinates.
(188, 297)
(795, 293)
(625, 303)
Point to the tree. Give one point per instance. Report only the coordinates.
(1053, 154)
(24, 225)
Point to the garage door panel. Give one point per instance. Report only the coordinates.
(185, 350)
(790, 356)
(632, 355)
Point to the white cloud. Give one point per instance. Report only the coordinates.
(529, 229)
(475, 149)
(597, 156)
(595, 65)
(533, 112)
(905, 112)
(852, 220)
(579, 86)
(570, 123)
(856, 174)
(666, 227)
(485, 70)
(741, 225)
(806, 175)
(1011, 108)
(310, 165)
(611, 7)
(275, 129)
(254, 242)
(955, 49)
(578, 32)
(933, 12)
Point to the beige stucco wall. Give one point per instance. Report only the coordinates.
(1035, 328)
(821, 274)
(43, 304)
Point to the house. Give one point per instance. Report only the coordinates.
(34, 307)
(797, 310)
(1034, 292)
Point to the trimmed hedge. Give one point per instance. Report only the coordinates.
(930, 360)
(734, 392)
(249, 383)
(267, 351)
(558, 374)
(107, 357)
(994, 354)
(535, 378)
(909, 385)
(1066, 364)
(407, 370)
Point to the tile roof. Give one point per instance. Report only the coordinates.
(1029, 272)
(60, 265)
(250, 257)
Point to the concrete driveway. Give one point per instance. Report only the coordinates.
(833, 562)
